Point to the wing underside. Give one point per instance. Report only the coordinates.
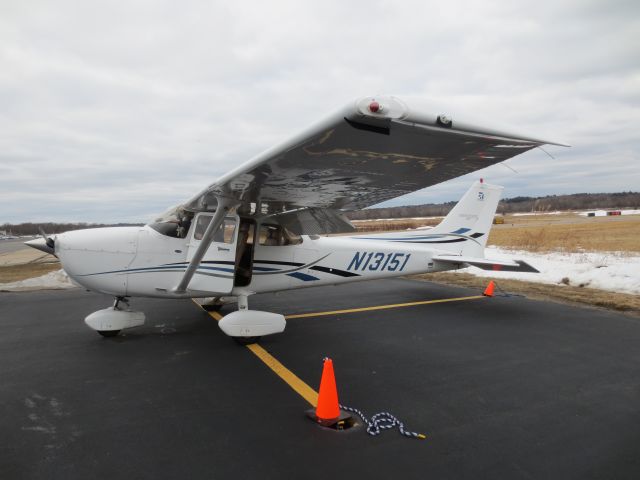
(357, 158)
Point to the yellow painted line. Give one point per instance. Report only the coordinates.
(290, 378)
(300, 387)
(215, 315)
(382, 307)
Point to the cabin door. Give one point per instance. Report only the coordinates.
(217, 269)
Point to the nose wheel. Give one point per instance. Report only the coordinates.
(109, 333)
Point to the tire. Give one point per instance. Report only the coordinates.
(109, 333)
(212, 308)
(247, 340)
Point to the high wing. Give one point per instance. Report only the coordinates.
(372, 150)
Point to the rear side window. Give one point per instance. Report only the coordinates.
(276, 235)
(224, 234)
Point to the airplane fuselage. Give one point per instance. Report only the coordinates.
(138, 261)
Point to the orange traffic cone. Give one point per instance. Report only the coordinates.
(328, 408)
(327, 412)
(488, 292)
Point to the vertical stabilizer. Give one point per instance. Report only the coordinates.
(470, 221)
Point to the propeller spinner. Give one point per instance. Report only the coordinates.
(44, 244)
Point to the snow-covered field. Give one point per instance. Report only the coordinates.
(396, 219)
(52, 280)
(598, 213)
(613, 271)
(528, 214)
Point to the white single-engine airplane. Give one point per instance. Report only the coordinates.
(257, 228)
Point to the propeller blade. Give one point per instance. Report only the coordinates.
(48, 240)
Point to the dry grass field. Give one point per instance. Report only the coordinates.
(25, 263)
(15, 273)
(567, 232)
(393, 224)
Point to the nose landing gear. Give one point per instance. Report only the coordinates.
(110, 321)
(109, 333)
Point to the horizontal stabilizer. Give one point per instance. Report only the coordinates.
(487, 263)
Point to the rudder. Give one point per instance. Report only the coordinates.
(472, 217)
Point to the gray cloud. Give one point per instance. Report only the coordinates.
(116, 111)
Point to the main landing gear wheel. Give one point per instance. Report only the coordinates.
(247, 340)
(109, 333)
(212, 308)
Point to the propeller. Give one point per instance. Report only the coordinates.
(48, 240)
(45, 244)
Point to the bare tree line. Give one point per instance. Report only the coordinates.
(53, 227)
(576, 201)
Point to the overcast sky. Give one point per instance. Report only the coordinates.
(114, 111)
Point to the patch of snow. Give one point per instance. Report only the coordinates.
(538, 213)
(603, 213)
(611, 271)
(396, 219)
(52, 280)
(596, 213)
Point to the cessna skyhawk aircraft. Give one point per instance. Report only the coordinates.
(258, 228)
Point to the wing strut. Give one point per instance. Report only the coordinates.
(224, 206)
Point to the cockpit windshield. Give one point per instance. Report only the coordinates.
(175, 222)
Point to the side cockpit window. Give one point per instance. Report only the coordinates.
(224, 234)
(277, 235)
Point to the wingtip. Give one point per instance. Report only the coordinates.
(558, 144)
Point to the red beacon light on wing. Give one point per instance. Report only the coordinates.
(375, 107)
